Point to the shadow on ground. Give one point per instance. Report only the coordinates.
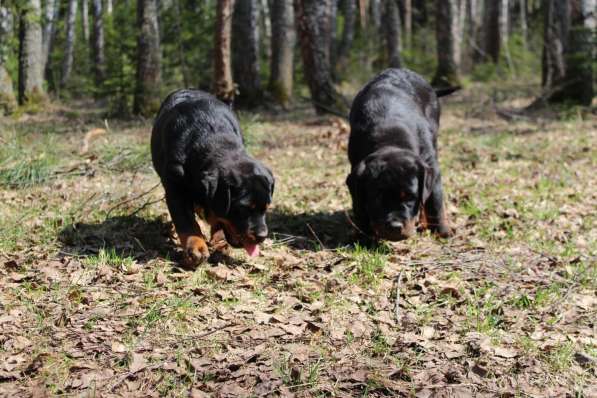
(132, 236)
(311, 231)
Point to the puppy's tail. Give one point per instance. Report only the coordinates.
(442, 92)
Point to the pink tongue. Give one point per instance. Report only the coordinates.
(252, 249)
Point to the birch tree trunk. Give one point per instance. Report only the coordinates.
(282, 60)
(51, 14)
(31, 62)
(67, 62)
(7, 96)
(314, 34)
(223, 84)
(245, 52)
(85, 19)
(99, 60)
(147, 91)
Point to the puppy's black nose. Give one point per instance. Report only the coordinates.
(259, 235)
(395, 224)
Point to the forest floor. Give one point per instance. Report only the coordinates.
(94, 303)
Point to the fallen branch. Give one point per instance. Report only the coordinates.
(116, 206)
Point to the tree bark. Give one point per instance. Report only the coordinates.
(391, 31)
(109, 7)
(447, 74)
(51, 14)
(85, 19)
(492, 33)
(67, 64)
(223, 84)
(349, 10)
(524, 26)
(408, 22)
(245, 52)
(99, 60)
(7, 96)
(282, 60)
(31, 62)
(569, 52)
(147, 90)
(314, 34)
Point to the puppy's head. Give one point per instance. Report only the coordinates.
(388, 188)
(237, 197)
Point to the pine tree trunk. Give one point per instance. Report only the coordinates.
(223, 84)
(7, 96)
(245, 52)
(51, 14)
(447, 12)
(349, 10)
(31, 62)
(85, 19)
(314, 34)
(147, 91)
(67, 63)
(266, 27)
(391, 30)
(491, 24)
(99, 60)
(569, 52)
(282, 60)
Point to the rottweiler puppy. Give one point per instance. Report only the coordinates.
(198, 151)
(392, 149)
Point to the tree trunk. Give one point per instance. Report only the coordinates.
(7, 96)
(524, 26)
(333, 13)
(314, 34)
(31, 62)
(51, 14)
(349, 10)
(85, 19)
(109, 7)
(568, 52)
(99, 60)
(408, 22)
(67, 63)
(147, 90)
(492, 38)
(375, 6)
(391, 31)
(266, 27)
(245, 52)
(447, 12)
(223, 84)
(282, 60)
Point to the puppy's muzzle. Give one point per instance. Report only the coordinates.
(258, 235)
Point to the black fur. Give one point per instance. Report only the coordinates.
(198, 151)
(392, 149)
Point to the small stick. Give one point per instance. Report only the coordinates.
(316, 237)
(131, 199)
(397, 305)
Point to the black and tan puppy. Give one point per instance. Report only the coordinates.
(392, 149)
(198, 151)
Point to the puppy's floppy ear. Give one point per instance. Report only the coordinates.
(426, 180)
(215, 192)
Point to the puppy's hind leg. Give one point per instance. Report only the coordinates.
(190, 235)
(435, 214)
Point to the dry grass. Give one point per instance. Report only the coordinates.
(92, 300)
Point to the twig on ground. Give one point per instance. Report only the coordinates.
(210, 332)
(397, 304)
(145, 205)
(316, 237)
(116, 206)
(352, 223)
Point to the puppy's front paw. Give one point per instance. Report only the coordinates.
(444, 231)
(195, 250)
